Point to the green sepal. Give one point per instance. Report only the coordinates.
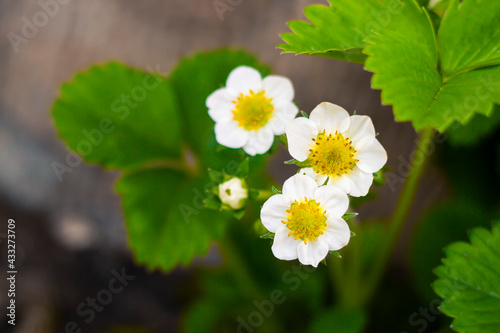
(335, 253)
(269, 235)
(275, 190)
(349, 216)
(238, 214)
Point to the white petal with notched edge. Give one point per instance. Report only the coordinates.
(243, 79)
(259, 142)
(332, 199)
(360, 127)
(360, 182)
(337, 233)
(285, 247)
(299, 187)
(330, 117)
(231, 135)
(284, 113)
(278, 87)
(312, 252)
(300, 133)
(372, 156)
(274, 211)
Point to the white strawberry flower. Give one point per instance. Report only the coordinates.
(233, 193)
(307, 220)
(249, 111)
(338, 147)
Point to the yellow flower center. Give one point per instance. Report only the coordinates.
(306, 220)
(253, 111)
(332, 155)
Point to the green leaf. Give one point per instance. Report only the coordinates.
(339, 31)
(119, 117)
(475, 130)
(411, 82)
(194, 79)
(447, 222)
(166, 219)
(469, 282)
(339, 320)
(469, 36)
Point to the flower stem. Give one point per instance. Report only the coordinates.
(400, 214)
(237, 266)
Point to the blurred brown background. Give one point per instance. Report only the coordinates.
(70, 234)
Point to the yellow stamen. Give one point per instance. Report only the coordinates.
(253, 111)
(332, 155)
(306, 220)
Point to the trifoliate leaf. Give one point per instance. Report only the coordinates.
(469, 282)
(469, 36)
(167, 221)
(119, 117)
(338, 31)
(403, 56)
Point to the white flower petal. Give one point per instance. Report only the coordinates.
(243, 79)
(274, 211)
(371, 155)
(300, 133)
(229, 134)
(259, 142)
(222, 113)
(341, 182)
(219, 97)
(330, 117)
(337, 233)
(284, 247)
(361, 126)
(360, 182)
(312, 252)
(299, 187)
(332, 199)
(280, 88)
(233, 192)
(318, 178)
(283, 114)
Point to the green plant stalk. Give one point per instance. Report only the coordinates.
(346, 274)
(237, 266)
(399, 217)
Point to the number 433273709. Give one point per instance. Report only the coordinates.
(11, 244)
